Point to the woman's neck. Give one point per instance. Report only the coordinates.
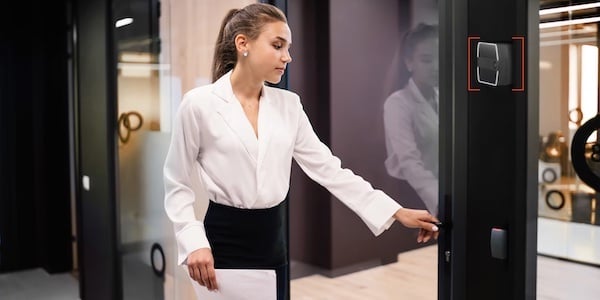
(244, 86)
(426, 90)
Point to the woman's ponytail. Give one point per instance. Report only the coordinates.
(225, 55)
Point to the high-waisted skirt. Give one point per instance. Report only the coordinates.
(250, 239)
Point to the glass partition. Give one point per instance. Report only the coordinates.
(383, 114)
(164, 49)
(143, 85)
(568, 213)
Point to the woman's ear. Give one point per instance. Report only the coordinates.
(409, 65)
(241, 43)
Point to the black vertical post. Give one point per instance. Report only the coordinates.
(530, 26)
(452, 278)
(98, 237)
(598, 46)
(488, 146)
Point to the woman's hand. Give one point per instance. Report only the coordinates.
(201, 267)
(422, 219)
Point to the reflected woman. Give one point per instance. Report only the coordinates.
(411, 117)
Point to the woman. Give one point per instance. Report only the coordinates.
(244, 135)
(410, 117)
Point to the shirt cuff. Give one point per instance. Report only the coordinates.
(379, 214)
(190, 239)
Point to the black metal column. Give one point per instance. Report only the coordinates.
(488, 148)
(98, 237)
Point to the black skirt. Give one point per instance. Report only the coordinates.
(250, 239)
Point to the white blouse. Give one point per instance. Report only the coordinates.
(411, 136)
(238, 169)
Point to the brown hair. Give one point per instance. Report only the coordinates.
(248, 21)
(398, 74)
(415, 36)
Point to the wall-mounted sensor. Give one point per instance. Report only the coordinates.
(494, 61)
(498, 243)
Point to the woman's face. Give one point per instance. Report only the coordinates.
(269, 54)
(424, 63)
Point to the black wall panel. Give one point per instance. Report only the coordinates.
(35, 219)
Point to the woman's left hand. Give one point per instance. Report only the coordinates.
(422, 219)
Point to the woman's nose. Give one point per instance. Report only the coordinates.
(287, 57)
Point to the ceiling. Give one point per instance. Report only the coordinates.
(576, 14)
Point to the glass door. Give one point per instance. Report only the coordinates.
(368, 78)
(143, 90)
(164, 49)
(568, 209)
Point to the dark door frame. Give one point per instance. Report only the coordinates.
(96, 148)
(466, 242)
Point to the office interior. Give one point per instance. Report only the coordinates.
(346, 64)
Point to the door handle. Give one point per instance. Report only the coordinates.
(444, 225)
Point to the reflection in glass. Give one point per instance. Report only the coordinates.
(163, 48)
(568, 99)
(411, 117)
(143, 229)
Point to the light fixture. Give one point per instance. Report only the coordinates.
(569, 22)
(557, 10)
(123, 22)
(136, 57)
(545, 65)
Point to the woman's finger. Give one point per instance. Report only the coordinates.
(427, 236)
(428, 226)
(212, 277)
(190, 271)
(204, 275)
(421, 235)
(424, 235)
(197, 275)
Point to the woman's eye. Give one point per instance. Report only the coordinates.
(277, 46)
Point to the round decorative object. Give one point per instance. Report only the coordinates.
(555, 199)
(576, 115)
(587, 166)
(158, 267)
(549, 175)
(128, 122)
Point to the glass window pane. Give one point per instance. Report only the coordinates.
(383, 113)
(568, 214)
(159, 59)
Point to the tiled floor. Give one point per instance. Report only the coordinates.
(37, 284)
(575, 241)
